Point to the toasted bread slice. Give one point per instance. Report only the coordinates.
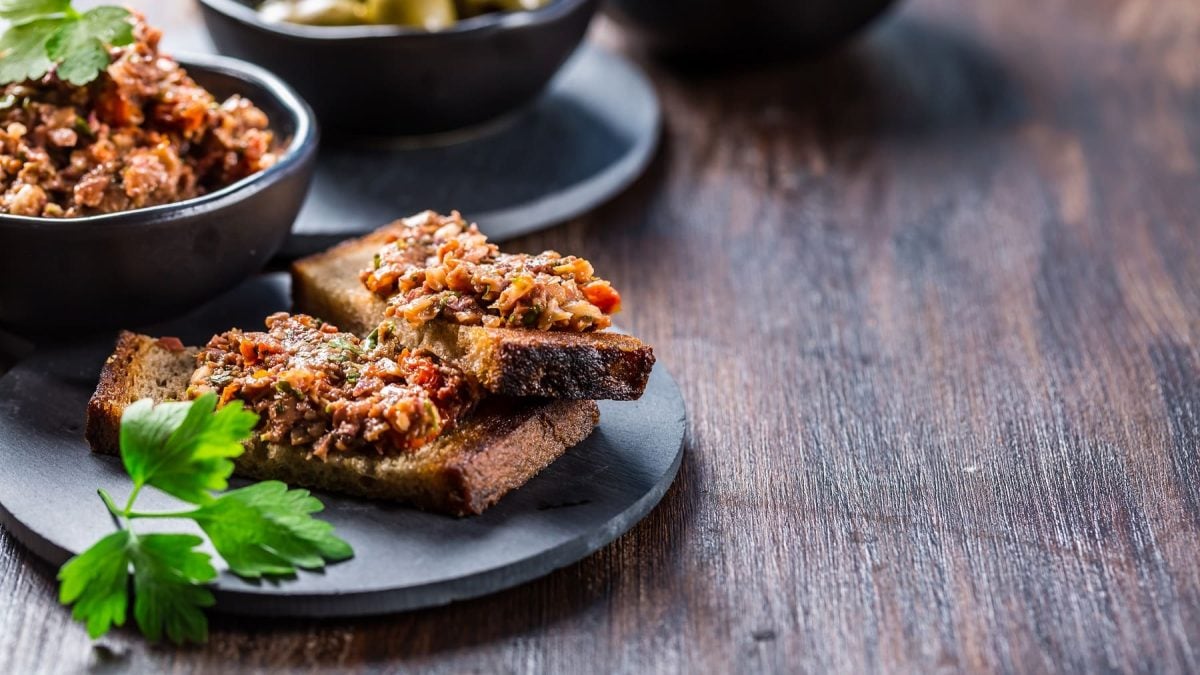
(508, 361)
(500, 447)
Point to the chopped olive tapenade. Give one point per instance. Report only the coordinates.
(313, 385)
(440, 267)
(142, 134)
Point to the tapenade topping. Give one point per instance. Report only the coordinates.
(440, 267)
(313, 385)
(142, 134)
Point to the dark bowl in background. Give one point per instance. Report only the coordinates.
(62, 276)
(744, 28)
(395, 80)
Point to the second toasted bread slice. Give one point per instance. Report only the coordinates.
(502, 445)
(508, 361)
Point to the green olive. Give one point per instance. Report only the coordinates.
(428, 14)
(314, 12)
(477, 7)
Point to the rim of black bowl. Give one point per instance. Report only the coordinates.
(476, 24)
(303, 139)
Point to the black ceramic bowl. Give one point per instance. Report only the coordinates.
(393, 80)
(735, 28)
(135, 266)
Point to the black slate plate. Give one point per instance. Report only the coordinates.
(590, 135)
(405, 558)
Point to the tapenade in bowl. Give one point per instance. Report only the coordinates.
(146, 190)
(407, 80)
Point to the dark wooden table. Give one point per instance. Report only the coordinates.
(934, 303)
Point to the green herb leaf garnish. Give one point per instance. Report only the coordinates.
(23, 51)
(168, 587)
(22, 11)
(97, 583)
(80, 46)
(45, 34)
(267, 529)
(186, 450)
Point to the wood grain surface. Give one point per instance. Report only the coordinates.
(934, 303)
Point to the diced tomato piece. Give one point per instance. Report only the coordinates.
(116, 110)
(248, 351)
(172, 344)
(603, 296)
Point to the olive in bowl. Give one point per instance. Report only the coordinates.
(405, 80)
(126, 267)
(744, 28)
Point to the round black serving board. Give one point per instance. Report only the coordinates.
(404, 559)
(589, 136)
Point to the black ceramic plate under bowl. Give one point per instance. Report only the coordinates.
(590, 136)
(120, 268)
(404, 80)
(404, 559)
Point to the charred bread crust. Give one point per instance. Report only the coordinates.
(506, 361)
(101, 434)
(514, 448)
(556, 364)
(499, 448)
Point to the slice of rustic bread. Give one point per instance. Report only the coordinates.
(508, 361)
(140, 367)
(500, 447)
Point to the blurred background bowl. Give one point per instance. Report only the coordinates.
(64, 276)
(395, 80)
(744, 28)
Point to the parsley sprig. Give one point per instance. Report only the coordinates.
(46, 34)
(186, 450)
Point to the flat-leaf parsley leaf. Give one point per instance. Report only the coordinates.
(266, 529)
(168, 595)
(23, 51)
(81, 46)
(97, 582)
(186, 450)
(46, 34)
(21, 11)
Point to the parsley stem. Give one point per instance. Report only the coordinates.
(108, 501)
(164, 514)
(128, 513)
(137, 487)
